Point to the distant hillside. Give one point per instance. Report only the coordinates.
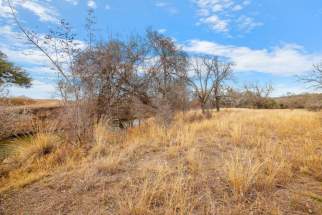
(310, 101)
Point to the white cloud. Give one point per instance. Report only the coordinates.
(38, 90)
(295, 88)
(223, 15)
(247, 24)
(91, 4)
(73, 2)
(44, 12)
(237, 7)
(41, 9)
(216, 23)
(43, 70)
(25, 56)
(162, 30)
(4, 9)
(161, 4)
(107, 7)
(29, 58)
(287, 59)
(167, 6)
(14, 45)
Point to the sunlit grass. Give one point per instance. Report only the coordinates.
(236, 160)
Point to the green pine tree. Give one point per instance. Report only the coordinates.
(10, 74)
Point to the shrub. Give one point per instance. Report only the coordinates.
(40, 145)
(241, 172)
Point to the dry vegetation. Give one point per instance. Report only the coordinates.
(25, 101)
(235, 162)
(21, 116)
(95, 161)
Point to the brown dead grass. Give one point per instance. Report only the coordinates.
(25, 101)
(237, 162)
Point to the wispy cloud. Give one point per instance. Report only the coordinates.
(45, 12)
(91, 4)
(107, 7)
(170, 8)
(222, 15)
(73, 2)
(216, 23)
(247, 24)
(287, 59)
(14, 45)
(4, 9)
(41, 9)
(162, 30)
(38, 90)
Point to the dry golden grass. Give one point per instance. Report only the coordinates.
(159, 191)
(40, 145)
(242, 172)
(36, 157)
(24, 101)
(239, 161)
(109, 165)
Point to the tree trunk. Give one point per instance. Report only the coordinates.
(203, 108)
(218, 103)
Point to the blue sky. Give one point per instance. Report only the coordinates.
(268, 40)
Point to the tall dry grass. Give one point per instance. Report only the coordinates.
(36, 157)
(238, 161)
(242, 171)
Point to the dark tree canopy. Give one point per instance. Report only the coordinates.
(10, 74)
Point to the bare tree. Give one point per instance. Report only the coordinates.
(208, 76)
(315, 77)
(222, 72)
(114, 78)
(231, 97)
(201, 80)
(257, 95)
(262, 91)
(60, 47)
(169, 63)
(109, 76)
(168, 72)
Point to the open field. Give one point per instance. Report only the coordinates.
(239, 161)
(20, 115)
(27, 102)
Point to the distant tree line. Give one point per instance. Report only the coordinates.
(139, 77)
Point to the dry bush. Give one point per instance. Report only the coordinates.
(242, 172)
(31, 161)
(101, 146)
(36, 157)
(40, 145)
(105, 138)
(13, 122)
